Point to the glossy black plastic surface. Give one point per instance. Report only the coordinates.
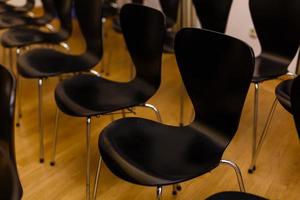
(216, 70)
(213, 14)
(295, 101)
(170, 9)
(10, 187)
(11, 19)
(283, 94)
(277, 26)
(235, 196)
(88, 95)
(23, 36)
(42, 62)
(29, 4)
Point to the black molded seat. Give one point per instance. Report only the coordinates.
(4, 7)
(109, 9)
(216, 70)
(10, 186)
(213, 14)
(23, 36)
(11, 19)
(275, 57)
(235, 196)
(295, 101)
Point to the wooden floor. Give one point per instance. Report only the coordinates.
(278, 167)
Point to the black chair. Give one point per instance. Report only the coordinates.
(28, 6)
(10, 186)
(234, 196)
(12, 19)
(41, 63)
(88, 95)
(213, 14)
(20, 37)
(279, 47)
(216, 70)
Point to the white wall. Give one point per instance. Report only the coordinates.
(20, 2)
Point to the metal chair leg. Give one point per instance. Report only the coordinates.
(41, 126)
(97, 178)
(88, 146)
(19, 92)
(158, 116)
(159, 192)
(237, 172)
(263, 136)
(57, 116)
(65, 46)
(255, 121)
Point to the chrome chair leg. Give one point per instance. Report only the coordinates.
(88, 146)
(57, 116)
(41, 126)
(19, 92)
(158, 192)
(65, 46)
(255, 121)
(237, 172)
(97, 178)
(158, 116)
(263, 136)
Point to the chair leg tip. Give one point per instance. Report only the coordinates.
(174, 192)
(41, 160)
(178, 187)
(18, 124)
(251, 170)
(52, 163)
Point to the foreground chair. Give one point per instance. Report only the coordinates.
(10, 186)
(235, 196)
(88, 96)
(275, 57)
(216, 70)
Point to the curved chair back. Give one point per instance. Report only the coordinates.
(10, 186)
(295, 102)
(49, 10)
(216, 70)
(213, 14)
(277, 26)
(29, 5)
(170, 9)
(7, 108)
(143, 30)
(88, 15)
(64, 13)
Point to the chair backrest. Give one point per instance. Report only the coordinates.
(49, 10)
(10, 186)
(213, 14)
(277, 24)
(295, 102)
(216, 70)
(143, 31)
(64, 12)
(29, 5)
(7, 108)
(170, 9)
(88, 15)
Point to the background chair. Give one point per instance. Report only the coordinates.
(275, 57)
(10, 186)
(216, 70)
(29, 4)
(88, 95)
(21, 37)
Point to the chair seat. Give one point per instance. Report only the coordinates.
(21, 36)
(283, 94)
(42, 62)
(88, 95)
(148, 153)
(8, 20)
(269, 67)
(234, 196)
(4, 8)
